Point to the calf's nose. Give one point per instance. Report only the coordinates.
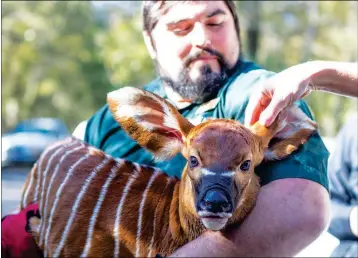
(215, 201)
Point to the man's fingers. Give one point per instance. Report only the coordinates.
(256, 114)
(269, 115)
(262, 105)
(256, 105)
(253, 102)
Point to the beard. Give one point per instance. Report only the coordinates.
(206, 86)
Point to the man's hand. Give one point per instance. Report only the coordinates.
(296, 82)
(276, 93)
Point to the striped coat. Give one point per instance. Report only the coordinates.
(90, 203)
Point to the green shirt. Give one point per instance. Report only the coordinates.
(309, 162)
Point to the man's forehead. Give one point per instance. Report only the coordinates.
(182, 10)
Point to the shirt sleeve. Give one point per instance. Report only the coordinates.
(94, 128)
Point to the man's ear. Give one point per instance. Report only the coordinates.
(149, 44)
(150, 120)
(291, 129)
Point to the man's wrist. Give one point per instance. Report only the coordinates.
(313, 70)
(353, 221)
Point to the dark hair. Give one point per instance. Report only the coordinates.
(152, 10)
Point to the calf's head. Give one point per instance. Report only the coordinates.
(218, 184)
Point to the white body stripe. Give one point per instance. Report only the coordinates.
(43, 187)
(75, 206)
(40, 161)
(45, 173)
(93, 219)
(137, 166)
(154, 221)
(207, 172)
(141, 207)
(116, 230)
(54, 174)
(58, 193)
(29, 186)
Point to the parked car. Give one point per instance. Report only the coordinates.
(24, 144)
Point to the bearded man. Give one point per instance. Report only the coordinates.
(196, 48)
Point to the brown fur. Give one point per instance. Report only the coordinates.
(169, 218)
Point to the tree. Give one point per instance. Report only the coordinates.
(123, 50)
(51, 65)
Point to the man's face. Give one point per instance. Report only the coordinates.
(196, 45)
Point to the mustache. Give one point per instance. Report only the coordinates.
(197, 55)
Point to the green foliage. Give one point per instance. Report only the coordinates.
(124, 52)
(51, 64)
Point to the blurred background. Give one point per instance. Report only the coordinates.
(60, 58)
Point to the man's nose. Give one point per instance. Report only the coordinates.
(215, 201)
(200, 36)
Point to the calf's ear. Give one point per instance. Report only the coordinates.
(291, 129)
(150, 120)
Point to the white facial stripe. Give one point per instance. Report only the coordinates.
(207, 172)
(228, 174)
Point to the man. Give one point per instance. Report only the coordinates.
(196, 48)
(343, 176)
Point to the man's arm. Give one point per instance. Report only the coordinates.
(336, 77)
(288, 216)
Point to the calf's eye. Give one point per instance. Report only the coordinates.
(193, 162)
(246, 165)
